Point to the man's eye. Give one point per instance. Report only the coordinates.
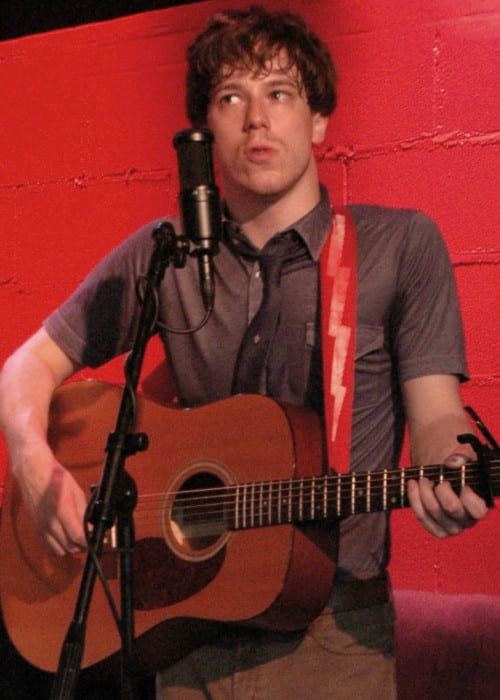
(228, 99)
(279, 95)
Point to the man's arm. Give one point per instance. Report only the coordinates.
(435, 417)
(51, 495)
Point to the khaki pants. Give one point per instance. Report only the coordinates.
(341, 656)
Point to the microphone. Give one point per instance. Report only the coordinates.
(199, 203)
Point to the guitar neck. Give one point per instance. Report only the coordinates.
(333, 496)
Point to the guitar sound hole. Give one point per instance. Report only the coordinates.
(197, 525)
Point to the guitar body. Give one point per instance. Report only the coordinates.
(188, 583)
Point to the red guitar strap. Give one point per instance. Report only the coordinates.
(338, 329)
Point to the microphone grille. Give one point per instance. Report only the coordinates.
(194, 157)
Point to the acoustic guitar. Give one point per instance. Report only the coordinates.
(235, 523)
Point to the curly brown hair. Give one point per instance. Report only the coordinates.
(250, 40)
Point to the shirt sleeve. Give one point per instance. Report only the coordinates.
(98, 321)
(428, 333)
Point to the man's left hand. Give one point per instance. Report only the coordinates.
(439, 509)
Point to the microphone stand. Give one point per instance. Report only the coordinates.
(115, 497)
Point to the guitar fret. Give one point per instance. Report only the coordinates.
(368, 492)
(309, 498)
(301, 500)
(261, 504)
(462, 476)
(269, 504)
(279, 501)
(353, 493)
(237, 508)
(339, 496)
(402, 489)
(313, 498)
(245, 488)
(290, 504)
(384, 488)
(325, 496)
(284, 503)
(252, 505)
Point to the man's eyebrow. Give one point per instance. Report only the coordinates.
(272, 81)
(227, 85)
(283, 80)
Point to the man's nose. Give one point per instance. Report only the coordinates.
(256, 115)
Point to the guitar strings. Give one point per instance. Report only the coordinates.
(385, 480)
(346, 483)
(226, 501)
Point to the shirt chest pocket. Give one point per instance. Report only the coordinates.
(372, 365)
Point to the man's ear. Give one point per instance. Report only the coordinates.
(319, 126)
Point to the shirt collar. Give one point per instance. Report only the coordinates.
(313, 228)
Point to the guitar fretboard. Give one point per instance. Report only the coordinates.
(333, 496)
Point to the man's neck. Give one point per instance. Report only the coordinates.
(261, 218)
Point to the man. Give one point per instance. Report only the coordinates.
(264, 85)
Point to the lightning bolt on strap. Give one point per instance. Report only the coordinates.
(338, 330)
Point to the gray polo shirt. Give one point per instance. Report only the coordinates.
(408, 325)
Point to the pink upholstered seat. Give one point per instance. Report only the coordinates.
(448, 646)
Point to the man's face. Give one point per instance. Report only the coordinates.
(264, 130)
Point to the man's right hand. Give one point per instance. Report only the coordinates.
(53, 499)
(51, 495)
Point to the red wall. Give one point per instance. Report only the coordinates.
(87, 118)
